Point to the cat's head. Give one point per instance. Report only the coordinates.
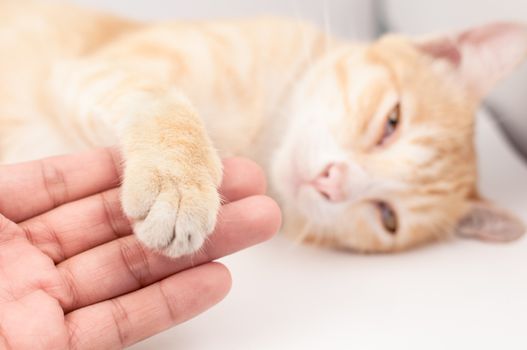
(380, 153)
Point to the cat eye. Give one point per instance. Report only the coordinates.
(392, 122)
(388, 217)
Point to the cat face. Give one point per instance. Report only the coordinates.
(380, 155)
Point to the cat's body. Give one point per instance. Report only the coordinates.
(234, 75)
(71, 79)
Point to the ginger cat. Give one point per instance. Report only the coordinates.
(369, 146)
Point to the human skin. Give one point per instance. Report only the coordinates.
(72, 275)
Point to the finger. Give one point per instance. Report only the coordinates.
(123, 321)
(8, 231)
(124, 265)
(241, 178)
(78, 226)
(81, 225)
(31, 188)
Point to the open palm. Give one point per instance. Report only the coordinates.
(73, 277)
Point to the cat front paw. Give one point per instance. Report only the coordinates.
(172, 213)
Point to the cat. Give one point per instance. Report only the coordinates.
(369, 146)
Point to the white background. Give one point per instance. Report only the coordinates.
(453, 295)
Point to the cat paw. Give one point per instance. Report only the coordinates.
(171, 213)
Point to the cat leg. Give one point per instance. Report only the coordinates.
(171, 170)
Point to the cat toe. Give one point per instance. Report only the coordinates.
(157, 230)
(177, 226)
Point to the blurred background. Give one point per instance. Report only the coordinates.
(453, 295)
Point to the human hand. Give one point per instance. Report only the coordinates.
(73, 277)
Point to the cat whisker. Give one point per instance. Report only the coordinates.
(300, 239)
(305, 46)
(320, 239)
(327, 27)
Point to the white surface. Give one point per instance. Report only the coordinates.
(453, 295)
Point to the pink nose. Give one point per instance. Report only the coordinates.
(331, 182)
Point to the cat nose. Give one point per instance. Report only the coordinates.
(331, 182)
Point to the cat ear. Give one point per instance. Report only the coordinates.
(481, 56)
(487, 222)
